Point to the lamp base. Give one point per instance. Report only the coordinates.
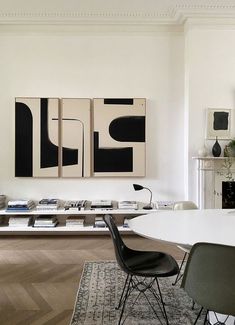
(148, 207)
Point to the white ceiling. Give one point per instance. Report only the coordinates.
(158, 10)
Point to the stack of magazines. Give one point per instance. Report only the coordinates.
(20, 205)
(74, 221)
(125, 223)
(101, 204)
(2, 201)
(48, 204)
(99, 223)
(18, 221)
(128, 205)
(168, 205)
(75, 205)
(45, 222)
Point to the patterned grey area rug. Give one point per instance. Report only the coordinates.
(100, 288)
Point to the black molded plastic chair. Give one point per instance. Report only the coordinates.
(209, 279)
(139, 266)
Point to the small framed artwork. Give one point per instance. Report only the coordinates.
(218, 123)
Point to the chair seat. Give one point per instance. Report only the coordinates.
(151, 264)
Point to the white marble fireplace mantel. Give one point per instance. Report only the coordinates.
(211, 171)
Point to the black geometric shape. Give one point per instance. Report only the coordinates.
(23, 141)
(220, 121)
(118, 101)
(115, 160)
(69, 156)
(48, 150)
(128, 129)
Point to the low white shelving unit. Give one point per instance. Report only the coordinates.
(89, 216)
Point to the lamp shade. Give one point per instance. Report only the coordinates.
(137, 187)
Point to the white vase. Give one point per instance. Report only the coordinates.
(202, 152)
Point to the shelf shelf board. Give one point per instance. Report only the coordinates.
(58, 212)
(61, 215)
(9, 230)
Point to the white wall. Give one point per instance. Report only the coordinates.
(91, 65)
(210, 62)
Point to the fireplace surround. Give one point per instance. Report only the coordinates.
(215, 182)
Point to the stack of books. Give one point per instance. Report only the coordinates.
(74, 221)
(20, 205)
(75, 205)
(48, 204)
(45, 222)
(168, 205)
(99, 223)
(2, 201)
(101, 204)
(128, 205)
(18, 221)
(125, 223)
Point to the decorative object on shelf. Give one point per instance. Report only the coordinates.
(216, 149)
(2, 201)
(138, 187)
(226, 151)
(218, 123)
(203, 152)
(229, 150)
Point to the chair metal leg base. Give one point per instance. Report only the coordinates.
(122, 294)
(180, 275)
(207, 318)
(133, 283)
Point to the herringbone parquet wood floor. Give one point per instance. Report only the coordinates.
(39, 276)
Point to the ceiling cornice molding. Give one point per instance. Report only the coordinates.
(174, 15)
(85, 17)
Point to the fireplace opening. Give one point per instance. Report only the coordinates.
(228, 195)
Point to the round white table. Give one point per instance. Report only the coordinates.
(187, 227)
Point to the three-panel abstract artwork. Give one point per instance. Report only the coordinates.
(80, 137)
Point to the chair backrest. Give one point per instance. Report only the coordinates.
(209, 277)
(184, 205)
(120, 248)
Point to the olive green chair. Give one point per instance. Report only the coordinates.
(183, 205)
(209, 279)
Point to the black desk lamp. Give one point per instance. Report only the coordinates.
(138, 187)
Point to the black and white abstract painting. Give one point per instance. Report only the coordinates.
(119, 137)
(36, 137)
(218, 123)
(63, 137)
(76, 137)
